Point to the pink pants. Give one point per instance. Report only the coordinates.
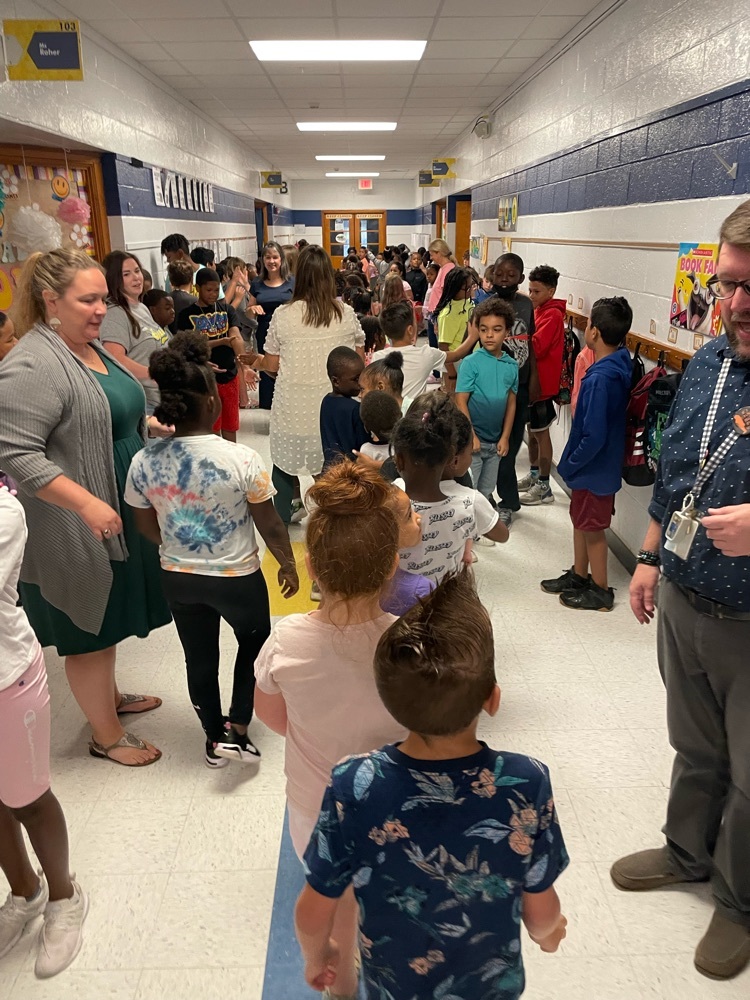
(24, 737)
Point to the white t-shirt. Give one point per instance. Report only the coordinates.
(333, 708)
(446, 526)
(378, 452)
(18, 644)
(420, 360)
(200, 488)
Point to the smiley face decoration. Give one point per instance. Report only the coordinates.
(60, 187)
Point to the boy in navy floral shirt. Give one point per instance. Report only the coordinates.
(448, 844)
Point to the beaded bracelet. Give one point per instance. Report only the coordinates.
(648, 558)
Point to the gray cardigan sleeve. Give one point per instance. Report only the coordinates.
(29, 410)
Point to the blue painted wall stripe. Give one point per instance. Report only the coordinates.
(129, 191)
(672, 157)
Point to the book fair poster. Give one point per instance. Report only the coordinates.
(693, 306)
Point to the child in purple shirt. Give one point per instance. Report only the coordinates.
(405, 589)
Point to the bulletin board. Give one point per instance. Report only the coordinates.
(43, 180)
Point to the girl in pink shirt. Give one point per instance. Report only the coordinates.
(315, 680)
(441, 255)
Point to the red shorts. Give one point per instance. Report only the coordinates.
(229, 394)
(590, 512)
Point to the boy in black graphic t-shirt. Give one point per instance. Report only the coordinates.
(218, 321)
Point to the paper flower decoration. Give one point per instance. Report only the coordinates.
(8, 182)
(30, 230)
(80, 236)
(74, 210)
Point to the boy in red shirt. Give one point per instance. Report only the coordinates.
(547, 343)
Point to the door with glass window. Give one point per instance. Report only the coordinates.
(345, 230)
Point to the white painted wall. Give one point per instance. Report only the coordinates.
(332, 194)
(121, 107)
(143, 237)
(644, 277)
(646, 56)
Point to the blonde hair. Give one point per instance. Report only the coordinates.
(440, 246)
(735, 229)
(47, 272)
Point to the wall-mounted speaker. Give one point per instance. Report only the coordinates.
(482, 128)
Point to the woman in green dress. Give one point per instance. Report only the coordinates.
(71, 419)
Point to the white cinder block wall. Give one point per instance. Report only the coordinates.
(617, 74)
(121, 107)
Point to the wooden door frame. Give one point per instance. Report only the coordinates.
(88, 162)
(353, 215)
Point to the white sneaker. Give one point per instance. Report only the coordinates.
(62, 933)
(483, 540)
(298, 512)
(527, 482)
(17, 913)
(539, 493)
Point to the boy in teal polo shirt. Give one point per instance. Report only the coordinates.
(486, 392)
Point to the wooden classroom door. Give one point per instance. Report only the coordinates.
(342, 230)
(440, 218)
(463, 228)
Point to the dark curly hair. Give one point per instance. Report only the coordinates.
(427, 434)
(545, 274)
(184, 378)
(390, 369)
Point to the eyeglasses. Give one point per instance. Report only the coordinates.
(723, 288)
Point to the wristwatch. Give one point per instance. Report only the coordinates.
(648, 558)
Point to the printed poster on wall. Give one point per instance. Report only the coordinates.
(693, 306)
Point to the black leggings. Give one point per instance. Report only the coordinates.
(198, 603)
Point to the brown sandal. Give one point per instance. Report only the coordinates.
(128, 740)
(127, 701)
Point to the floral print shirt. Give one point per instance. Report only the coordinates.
(439, 854)
(200, 488)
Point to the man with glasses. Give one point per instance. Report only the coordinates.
(699, 544)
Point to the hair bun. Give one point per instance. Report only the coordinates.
(349, 490)
(191, 346)
(394, 359)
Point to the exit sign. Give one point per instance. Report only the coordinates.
(365, 184)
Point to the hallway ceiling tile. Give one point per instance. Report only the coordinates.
(475, 54)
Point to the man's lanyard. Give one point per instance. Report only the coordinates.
(709, 465)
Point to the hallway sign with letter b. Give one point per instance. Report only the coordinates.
(43, 50)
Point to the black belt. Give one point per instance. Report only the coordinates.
(714, 609)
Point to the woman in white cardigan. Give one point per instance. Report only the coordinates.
(71, 419)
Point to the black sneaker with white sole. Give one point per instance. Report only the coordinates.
(591, 598)
(211, 758)
(569, 580)
(237, 747)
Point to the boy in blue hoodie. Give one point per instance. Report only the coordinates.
(591, 464)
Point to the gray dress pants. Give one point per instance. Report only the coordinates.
(705, 664)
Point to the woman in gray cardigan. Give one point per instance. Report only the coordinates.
(71, 419)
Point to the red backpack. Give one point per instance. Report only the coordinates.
(636, 470)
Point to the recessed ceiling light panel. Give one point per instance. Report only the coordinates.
(344, 173)
(338, 50)
(347, 126)
(349, 158)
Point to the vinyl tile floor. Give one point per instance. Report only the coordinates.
(182, 863)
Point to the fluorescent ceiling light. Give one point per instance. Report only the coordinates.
(343, 173)
(350, 158)
(339, 50)
(347, 126)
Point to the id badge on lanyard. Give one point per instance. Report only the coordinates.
(683, 526)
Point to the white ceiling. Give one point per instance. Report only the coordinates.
(476, 49)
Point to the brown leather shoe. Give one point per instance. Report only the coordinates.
(724, 950)
(651, 869)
